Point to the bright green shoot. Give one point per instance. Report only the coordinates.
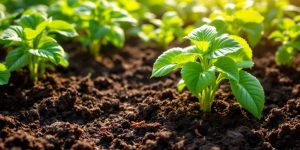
(212, 58)
(288, 34)
(33, 45)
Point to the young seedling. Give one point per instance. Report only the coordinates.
(288, 34)
(169, 28)
(238, 21)
(4, 74)
(212, 58)
(33, 45)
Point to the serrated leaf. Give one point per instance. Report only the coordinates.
(62, 27)
(203, 36)
(17, 59)
(228, 66)
(196, 78)
(169, 61)
(284, 55)
(13, 34)
(242, 57)
(249, 93)
(4, 74)
(48, 49)
(221, 46)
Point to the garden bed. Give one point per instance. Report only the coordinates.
(113, 103)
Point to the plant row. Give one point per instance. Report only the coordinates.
(216, 29)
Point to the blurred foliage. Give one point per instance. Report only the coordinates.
(193, 13)
(288, 34)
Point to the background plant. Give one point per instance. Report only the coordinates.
(288, 34)
(33, 43)
(238, 19)
(163, 31)
(212, 58)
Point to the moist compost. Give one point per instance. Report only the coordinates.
(111, 103)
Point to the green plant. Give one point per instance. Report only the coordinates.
(238, 20)
(213, 58)
(288, 34)
(33, 43)
(4, 74)
(169, 28)
(101, 23)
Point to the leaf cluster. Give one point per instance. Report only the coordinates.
(212, 58)
(33, 43)
(99, 22)
(288, 34)
(163, 31)
(238, 19)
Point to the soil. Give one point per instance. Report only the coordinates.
(111, 103)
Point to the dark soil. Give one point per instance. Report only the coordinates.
(111, 103)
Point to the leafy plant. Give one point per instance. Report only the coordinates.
(101, 23)
(288, 34)
(212, 58)
(238, 20)
(4, 74)
(33, 43)
(169, 27)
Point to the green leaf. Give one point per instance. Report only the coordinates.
(202, 36)
(249, 93)
(13, 34)
(180, 85)
(97, 31)
(196, 78)
(48, 49)
(33, 33)
(228, 66)
(117, 36)
(62, 28)
(220, 24)
(31, 20)
(170, 60)
(192, 50)
(296, 45)
(249, 16)
(125, 19)
(284, 55)
(4, 74)
(221, 46)
(17, 59)
(254, 32)
(278, 36)
(242, 57)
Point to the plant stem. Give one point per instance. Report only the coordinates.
(94, 47)
(208, 95)
(34, 68)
